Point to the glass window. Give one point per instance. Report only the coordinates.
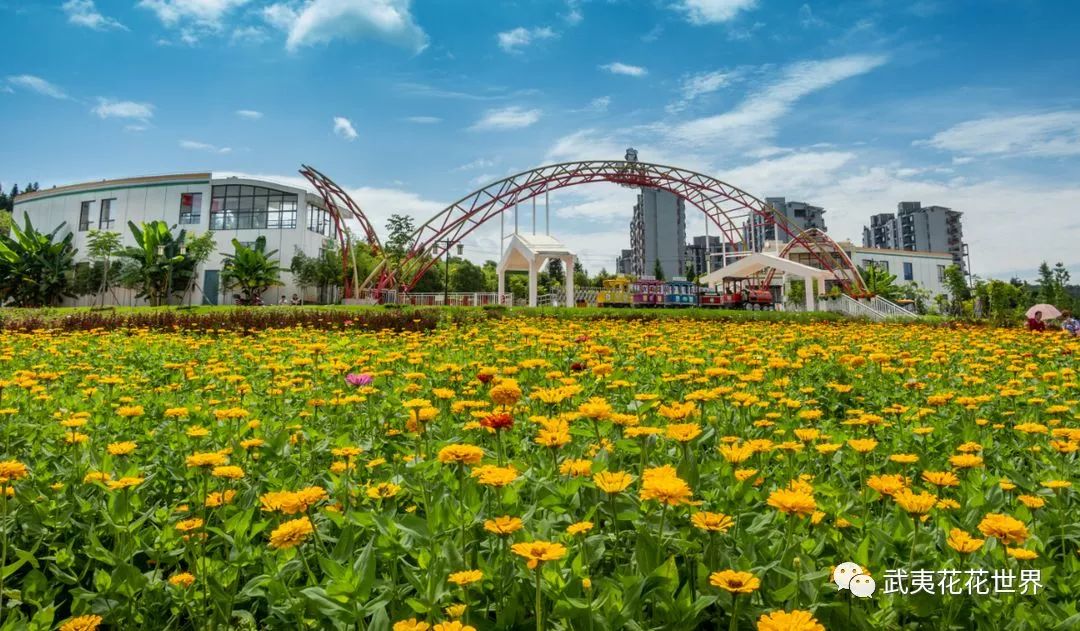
(320, 221)
(241, 207)
(190, 207)
(941, 273)
(84, 216)
(105, 216)
(909, 271)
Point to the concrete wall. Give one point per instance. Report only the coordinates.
(925, 268)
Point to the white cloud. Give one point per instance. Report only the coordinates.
(111, 108)
(423, 120)
(85, 13)
(39, 85)
(321, 21)
(599, 104)
(343, 127)
(514, 40)
(513, 117)
(250, 115)
(1049, 134)
(755, 118)
(573, 15)
(207, 13)
(625, 69)
(248, 35)
(202, 146)
(808, 19)
(700, 84)
(479, 163)
(712, 11)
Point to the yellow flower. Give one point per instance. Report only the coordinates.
(231, 472)
(1021, 554)
(904, 458)
(466, 578)
(506, 392)
(124, 483)
(612, 481)
(97, 476)
(1004, 528)
(291, 533)
(941, 478)
(596, 409)
(667, 489)
(537, 552)
(963, 542)
(215, 499)
(1057, 484)
(742, 475)
(966, 461)
(579, 528)
(677, 411)
(712, 522)
(734, 582)
(576, 467)
(888, 484)
(183, 579)
(461, 454)
(130, 411)
(503, 526)
(737, 454)
(792, 502)
(188, 525)
(121, 449)
(862, 445)
(683, 432)
(292, 502)
(1031, 501)
(412, 624)
(383, 490)
(12, 470)
(206, 459)
(454, 625)
(797, 620)
(81, 623)
(915, 504)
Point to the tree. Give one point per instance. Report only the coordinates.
(466, 276)
(155, 268)
(918, 296)
(880, 282)
(102, 246)
(35, 267)
(5, 221)
(581, 277)
(658, 271)
(252, 270)
(958, 288)
(556, 272)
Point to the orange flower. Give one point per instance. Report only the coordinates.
(537, 552)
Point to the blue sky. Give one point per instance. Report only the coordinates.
(851, 105)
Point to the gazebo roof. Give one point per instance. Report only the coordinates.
(524, 248)
(754, 263)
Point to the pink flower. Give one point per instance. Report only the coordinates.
(359, 379)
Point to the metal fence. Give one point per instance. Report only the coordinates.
(434, 299)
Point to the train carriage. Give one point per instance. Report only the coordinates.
(681, 293)
(615, 293)
(647, 292)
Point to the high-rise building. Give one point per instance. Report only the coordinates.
(706, 253)
(624, 263)
(919, 228)
(658, 234)
(798, 216)
(883, 232)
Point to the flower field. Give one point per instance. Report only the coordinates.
(532, 473)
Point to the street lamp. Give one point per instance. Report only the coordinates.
(446, 243)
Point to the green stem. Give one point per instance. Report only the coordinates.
(539, 612)
(734, 624)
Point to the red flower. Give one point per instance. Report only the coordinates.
(577, 366)
(498, 421)
(485, 377)
(582, 338)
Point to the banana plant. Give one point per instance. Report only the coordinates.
(158, 269)
(35, 267)
(252, 270)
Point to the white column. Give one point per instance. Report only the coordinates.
(568, 265)
(809, 292)
(533, 271)
(502, 281)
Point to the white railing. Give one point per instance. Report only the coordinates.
(849, 306)
(890, 308)
(435, 299)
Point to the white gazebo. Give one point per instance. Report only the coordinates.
(760, 261)
(529, 253)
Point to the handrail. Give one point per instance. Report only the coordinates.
(890, 308)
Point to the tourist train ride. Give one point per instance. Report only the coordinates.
(736, 293)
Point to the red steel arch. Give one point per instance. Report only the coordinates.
(342, 207)
(725, 205)
(824, 247)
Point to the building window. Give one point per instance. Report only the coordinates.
(105, 217)
(941, 273)
(909, 271)
(84, 216)
(237, 207)
(320, 221)
(190, 207)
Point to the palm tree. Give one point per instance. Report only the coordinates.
(252, 270)
(880, 282)
(35, 268)
(158, 269)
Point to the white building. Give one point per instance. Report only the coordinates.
(291, 219)
(926, 269)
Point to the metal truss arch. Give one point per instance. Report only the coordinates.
(726, 206)
(821, 246)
